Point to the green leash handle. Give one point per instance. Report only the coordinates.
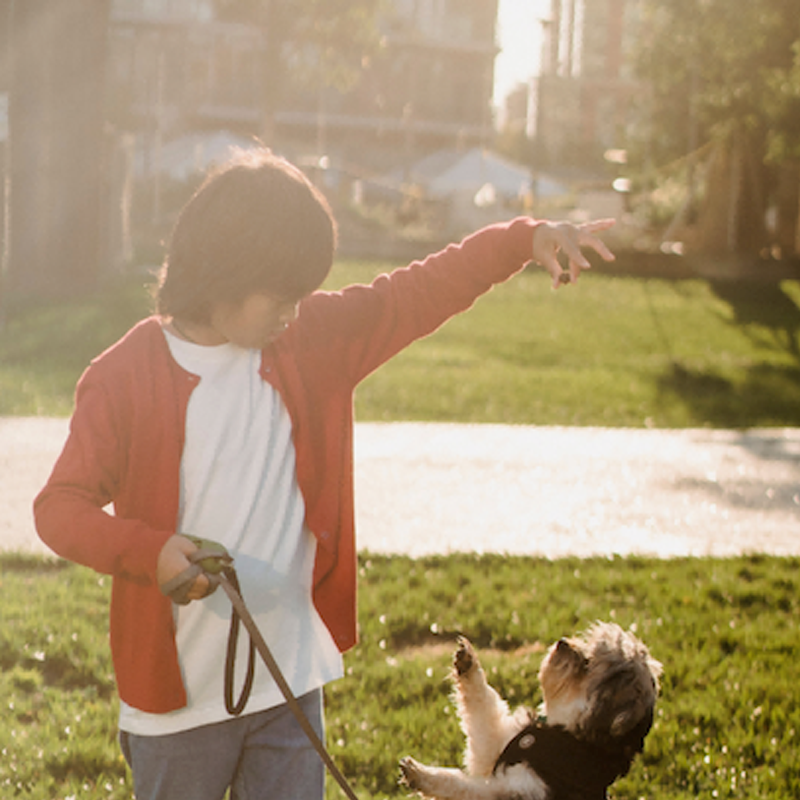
(212, 558)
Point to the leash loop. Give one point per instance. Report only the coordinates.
(213, 561)
(235, 709)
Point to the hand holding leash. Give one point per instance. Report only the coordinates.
(186, 566)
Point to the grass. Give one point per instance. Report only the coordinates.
(45, 345)
(725, 630)
(612, 351)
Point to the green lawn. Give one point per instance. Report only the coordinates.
(724, 629)
(610, 351)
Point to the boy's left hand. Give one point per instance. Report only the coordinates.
(173, 561)
(551, 238)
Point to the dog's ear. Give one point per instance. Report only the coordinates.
(632, 738)
(568, 654)
(630, 720)
(622, 708)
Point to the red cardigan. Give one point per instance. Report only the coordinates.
(126, 440)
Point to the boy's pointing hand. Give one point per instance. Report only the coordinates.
(551, 238)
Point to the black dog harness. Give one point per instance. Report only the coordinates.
(572, 769)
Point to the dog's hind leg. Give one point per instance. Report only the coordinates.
(452, 784)
(485, 717)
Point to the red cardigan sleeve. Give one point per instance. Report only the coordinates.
(121, 449)
(367, 325)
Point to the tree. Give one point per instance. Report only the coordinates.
(57, 115)
(56, 119)
(726, 71)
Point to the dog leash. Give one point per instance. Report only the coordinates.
(213, 560)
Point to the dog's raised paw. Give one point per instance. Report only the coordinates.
(409, 772)
(464, 657)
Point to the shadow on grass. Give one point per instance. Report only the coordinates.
(766, 305)
(768, 396)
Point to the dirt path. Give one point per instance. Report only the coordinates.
(429, 488)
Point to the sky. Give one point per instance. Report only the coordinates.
(520, 37)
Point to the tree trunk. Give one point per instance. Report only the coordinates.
(733, 216)
(751, 222)
(56, 119)
(787, 233)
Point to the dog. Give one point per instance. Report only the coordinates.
(599, 693)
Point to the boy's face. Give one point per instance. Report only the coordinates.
(255, 322)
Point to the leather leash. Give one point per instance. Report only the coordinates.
(216, 564)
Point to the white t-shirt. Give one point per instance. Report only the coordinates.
(239, 488)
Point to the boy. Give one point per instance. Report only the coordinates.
(228, 415)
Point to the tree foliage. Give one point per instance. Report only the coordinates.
(719, 65)
(727, 73)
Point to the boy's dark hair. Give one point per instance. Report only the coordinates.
(255, 225)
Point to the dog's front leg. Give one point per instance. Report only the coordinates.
(485, 718)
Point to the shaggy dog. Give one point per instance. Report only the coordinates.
(599, 693)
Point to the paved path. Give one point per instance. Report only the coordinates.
(429, 488)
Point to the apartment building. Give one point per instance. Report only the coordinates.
(175, 68)
(586, 95)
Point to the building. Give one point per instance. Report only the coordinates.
(176, 69)
(586, 92)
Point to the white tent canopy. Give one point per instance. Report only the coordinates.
(447, 172)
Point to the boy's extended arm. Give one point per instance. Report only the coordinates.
(379, 320)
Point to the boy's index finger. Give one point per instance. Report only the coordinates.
(597, 225)
(598, 245)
